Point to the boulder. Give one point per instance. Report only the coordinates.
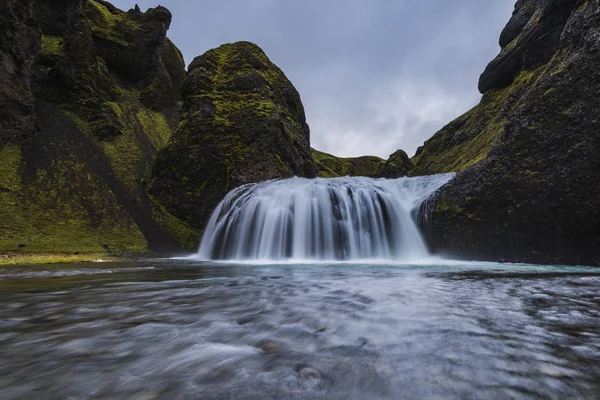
(397, 166)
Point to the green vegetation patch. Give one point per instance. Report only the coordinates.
(63, 209)
(52, 46)
(112, 26)
(468, 139)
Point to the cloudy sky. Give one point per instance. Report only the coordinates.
(374, 75)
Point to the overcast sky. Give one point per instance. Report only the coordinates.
(374, 75)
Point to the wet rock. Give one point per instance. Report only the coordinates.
(269, 346)
(309, 373)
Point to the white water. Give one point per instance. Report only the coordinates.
(321, 219)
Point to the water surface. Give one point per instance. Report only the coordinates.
(187, 330)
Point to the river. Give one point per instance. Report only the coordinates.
(183, 329)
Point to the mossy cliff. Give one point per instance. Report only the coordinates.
(75, 163)
(530, 186)
(242, 121)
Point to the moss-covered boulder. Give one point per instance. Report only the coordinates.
(397, 166)
(530, 190)
(242, 121)
(330, 166)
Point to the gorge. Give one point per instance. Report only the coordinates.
(215, 254)
(104, 94)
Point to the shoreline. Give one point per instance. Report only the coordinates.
(16, 259)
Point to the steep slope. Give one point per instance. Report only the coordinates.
(530, 190)
(107, 85)
(242, 121)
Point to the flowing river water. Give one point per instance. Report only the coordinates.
(184, 329)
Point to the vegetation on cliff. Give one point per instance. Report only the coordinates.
(107, 85)
(242, 121)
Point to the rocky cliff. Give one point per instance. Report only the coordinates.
(89, 94)
(530, 190)
(242, 121)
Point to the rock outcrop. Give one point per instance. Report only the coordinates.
(397, 166)
(242, 121)
(530, 190)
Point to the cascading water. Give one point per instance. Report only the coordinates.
(321, 219)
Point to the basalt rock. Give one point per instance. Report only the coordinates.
(533, 195)
(397, 166)
(242, 122)
(19, 47)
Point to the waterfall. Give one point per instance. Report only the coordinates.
(321, 219)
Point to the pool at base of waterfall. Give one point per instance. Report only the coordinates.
(186, 329)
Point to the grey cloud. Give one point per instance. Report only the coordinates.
(374, 75)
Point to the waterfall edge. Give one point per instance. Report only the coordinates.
(350, 219)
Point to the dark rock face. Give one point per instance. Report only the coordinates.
(531, 39)
(58, 16)
(397, 166)
(536, 196)
(19, 47)
(242, 122)
(330, 166)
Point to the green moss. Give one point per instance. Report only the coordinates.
(114, 27)
(53, 258)
(187, 237)
(52, 46)
(468, 140)
(10, 159)
(583, 6)
(155, 126)
(63, 209)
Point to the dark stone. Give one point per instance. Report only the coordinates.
(534, 32)
(19, 47)
(58, 16)
(397, 166)
(242, 122)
